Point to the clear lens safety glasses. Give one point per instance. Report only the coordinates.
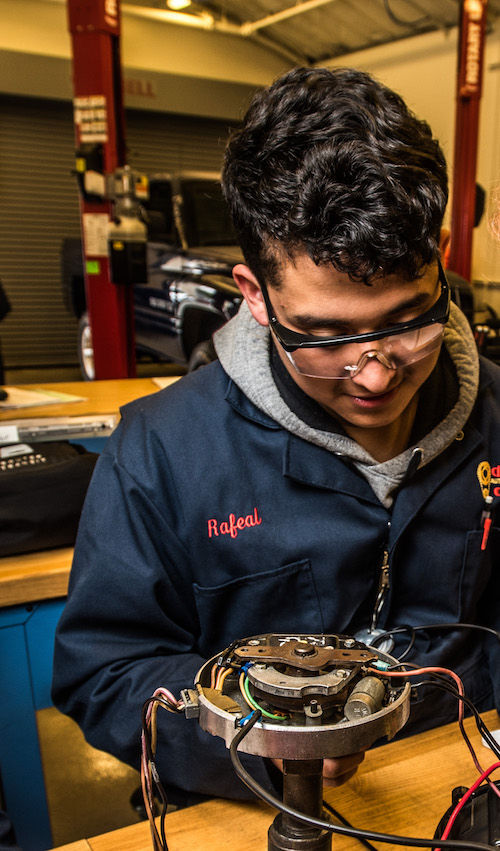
(343, 361)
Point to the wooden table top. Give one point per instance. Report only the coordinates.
(101, 397)
(30, 577)
(402, 787)
(44, 575)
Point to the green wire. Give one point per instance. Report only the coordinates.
(252, 702)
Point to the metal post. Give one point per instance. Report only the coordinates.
(303, 791)
(100, 140)
(469, 84)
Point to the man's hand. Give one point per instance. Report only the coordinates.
(340, 770)
(336, 771)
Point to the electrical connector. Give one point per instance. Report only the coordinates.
(381, 665)
(189, 698)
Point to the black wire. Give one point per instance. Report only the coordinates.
(163, 816)
(163, 702)
(155, 776)
(488, 737)
(335, 813)
(400, 22)
(321, 824)
(480, 724)
(441, 681)
(433, 626)
(429, 627)
(411, 643)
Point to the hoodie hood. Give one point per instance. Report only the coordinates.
(243, 348)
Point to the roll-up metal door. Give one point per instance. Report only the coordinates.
(160, 142)
(39, 208)
(38, 204)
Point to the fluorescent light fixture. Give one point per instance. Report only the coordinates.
(177, 5)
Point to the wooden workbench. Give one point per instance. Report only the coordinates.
(101, 397)
(402, 787)
(43, 576)
(34, 576)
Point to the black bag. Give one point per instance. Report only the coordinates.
(41, 496)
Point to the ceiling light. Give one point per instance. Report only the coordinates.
(176, 5)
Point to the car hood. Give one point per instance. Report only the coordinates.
(231, 254)
(208, 260)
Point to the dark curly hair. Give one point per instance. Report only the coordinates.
(333, 163)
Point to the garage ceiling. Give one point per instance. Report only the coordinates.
(314, 31)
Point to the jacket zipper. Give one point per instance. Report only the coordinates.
(383, 587)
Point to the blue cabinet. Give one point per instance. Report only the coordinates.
(26, 650)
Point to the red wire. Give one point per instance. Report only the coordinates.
(461, 692)
(463, 800)
(419, 671)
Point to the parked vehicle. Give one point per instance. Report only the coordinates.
(189, 292)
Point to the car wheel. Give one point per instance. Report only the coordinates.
(202, 354)
(86, 348)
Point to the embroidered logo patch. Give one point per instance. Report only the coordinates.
(233, 524)
(484, 478)
(488, 476)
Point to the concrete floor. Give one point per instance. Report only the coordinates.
(88, 791)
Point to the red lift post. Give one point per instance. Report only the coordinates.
(469, 85)
(100, 142)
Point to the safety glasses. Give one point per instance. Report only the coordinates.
(339, 357)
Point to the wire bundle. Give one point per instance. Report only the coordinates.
(150, 780)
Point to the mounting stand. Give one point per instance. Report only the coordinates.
(302, 790)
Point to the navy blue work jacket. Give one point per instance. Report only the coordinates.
(206, 521)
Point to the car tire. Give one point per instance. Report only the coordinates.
(202, 354)
(86, 348)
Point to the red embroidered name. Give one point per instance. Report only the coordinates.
(233, 524)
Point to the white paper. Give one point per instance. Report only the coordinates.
(8, 434)
(17, 397)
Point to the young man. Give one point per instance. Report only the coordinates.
(329, 473)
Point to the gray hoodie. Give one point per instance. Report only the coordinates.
(243, 348)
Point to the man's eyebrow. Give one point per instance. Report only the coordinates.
(421, 299)
(307, 321)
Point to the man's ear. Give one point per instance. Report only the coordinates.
(444, 243)
(251, 292)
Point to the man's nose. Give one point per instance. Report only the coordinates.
(375, 374)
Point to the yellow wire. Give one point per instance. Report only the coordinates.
(222, 677)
